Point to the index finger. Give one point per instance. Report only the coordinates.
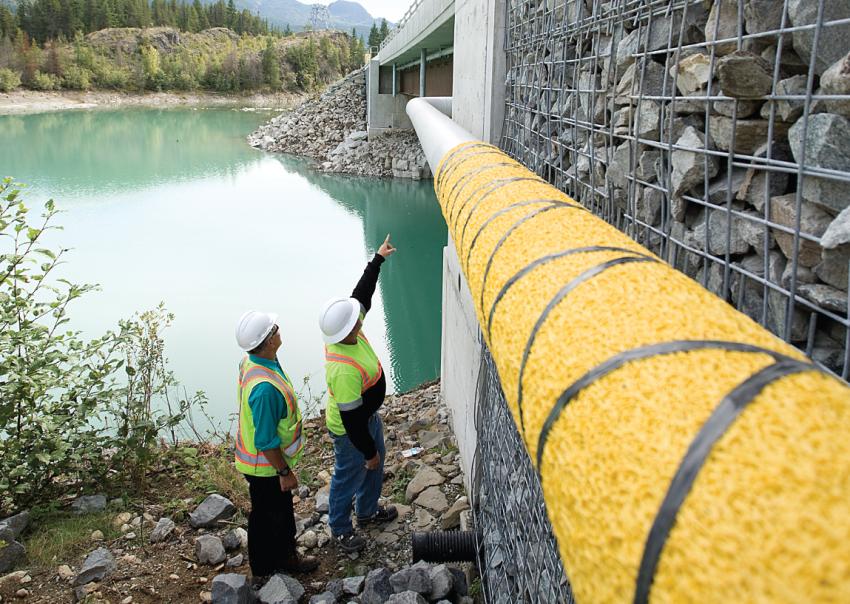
(387, 240)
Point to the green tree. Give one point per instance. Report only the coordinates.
(271, 65)
(374, 37)
(384, 31)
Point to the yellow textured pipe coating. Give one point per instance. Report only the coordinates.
(767, 518)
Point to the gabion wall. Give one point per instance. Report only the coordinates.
(716, 133)
(519, 555)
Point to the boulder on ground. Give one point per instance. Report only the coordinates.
(231, 588)
(96, 567)
(212, 509)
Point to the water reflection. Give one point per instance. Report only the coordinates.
(102, 151)
(411, 282)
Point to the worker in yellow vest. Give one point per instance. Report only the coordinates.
(269, 442)
(356, 389)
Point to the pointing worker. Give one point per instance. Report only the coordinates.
(269, 442)
(356, 389)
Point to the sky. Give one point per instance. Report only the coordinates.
(388, 9)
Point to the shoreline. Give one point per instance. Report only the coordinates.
(22, 102)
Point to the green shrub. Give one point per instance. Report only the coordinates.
(112, 77)
(77, 78)
(9, 80)
(44, 81)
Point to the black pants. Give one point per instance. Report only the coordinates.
(271, 525)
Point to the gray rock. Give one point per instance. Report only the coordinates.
(749, 134)
(162, 531)
(407, 597)
(231, 540)
(692, 73)
(323, 498)
(10, 554)
(336, 588)
(754, 232)
(824, 296)
(377, 588)
(323, 598)
(762, 15)
(758, 180)
(442, 582)
(838, 232)
(303, 492)
(425, 477)
(643, 75)
(836, 81)
(89, 504)
(231, 588)
(15, 525)
(832, 42)
(352, 586)
(689, 166)
(309, 539)
(717, 225)
(212, 509)
(744, 74)
(281, 589)
(235, 561)
(813, 221)
(833, 266)
(787, 110)
(723, 24)
(648, 209)
(804, 275)
(826, 146)
(209, 550)
(96, 566)
(777, 303)
(647, 162)
(723, 189)
(360, 135)
(451, 518)
(459, 585)
(433, 499)
(415, 578)
(739, 108)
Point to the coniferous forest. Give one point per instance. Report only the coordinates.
(162, 45)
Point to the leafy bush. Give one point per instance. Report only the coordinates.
(9, 80)
(77, 78)
(44, 81)
(68, 416)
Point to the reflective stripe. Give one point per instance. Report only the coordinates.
(292, 449)
(261, 374)
(368, 382)
(350, 406)
(243, 455)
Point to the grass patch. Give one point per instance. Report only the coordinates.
(398, 487)
(60, 538)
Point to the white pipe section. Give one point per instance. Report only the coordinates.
(437, 133)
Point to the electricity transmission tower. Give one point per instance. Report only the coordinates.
(320, 18)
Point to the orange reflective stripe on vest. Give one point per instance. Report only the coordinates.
(367, 381)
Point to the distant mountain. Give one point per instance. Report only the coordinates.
(345, 14)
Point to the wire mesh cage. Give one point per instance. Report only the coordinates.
(519, 555)
(715, 133)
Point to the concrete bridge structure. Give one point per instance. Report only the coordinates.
(447, 48)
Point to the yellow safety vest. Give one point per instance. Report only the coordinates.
(348, 360)
(248, 459)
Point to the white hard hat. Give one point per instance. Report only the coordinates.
(253, 327)
(338, 318)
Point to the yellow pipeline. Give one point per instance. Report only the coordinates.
(744, 443)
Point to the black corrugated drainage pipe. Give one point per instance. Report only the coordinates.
(444, 546)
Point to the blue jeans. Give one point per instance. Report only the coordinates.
(352, 481)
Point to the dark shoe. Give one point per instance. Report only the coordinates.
(350, 543)
(301, 564)
(384, 514)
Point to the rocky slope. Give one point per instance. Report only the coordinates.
(332, 130)
(164, 555)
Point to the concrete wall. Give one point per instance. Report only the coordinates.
(460, 358)
(383, 111)
(429, 16)
(479, 77)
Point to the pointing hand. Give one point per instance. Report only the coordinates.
(386, 248)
